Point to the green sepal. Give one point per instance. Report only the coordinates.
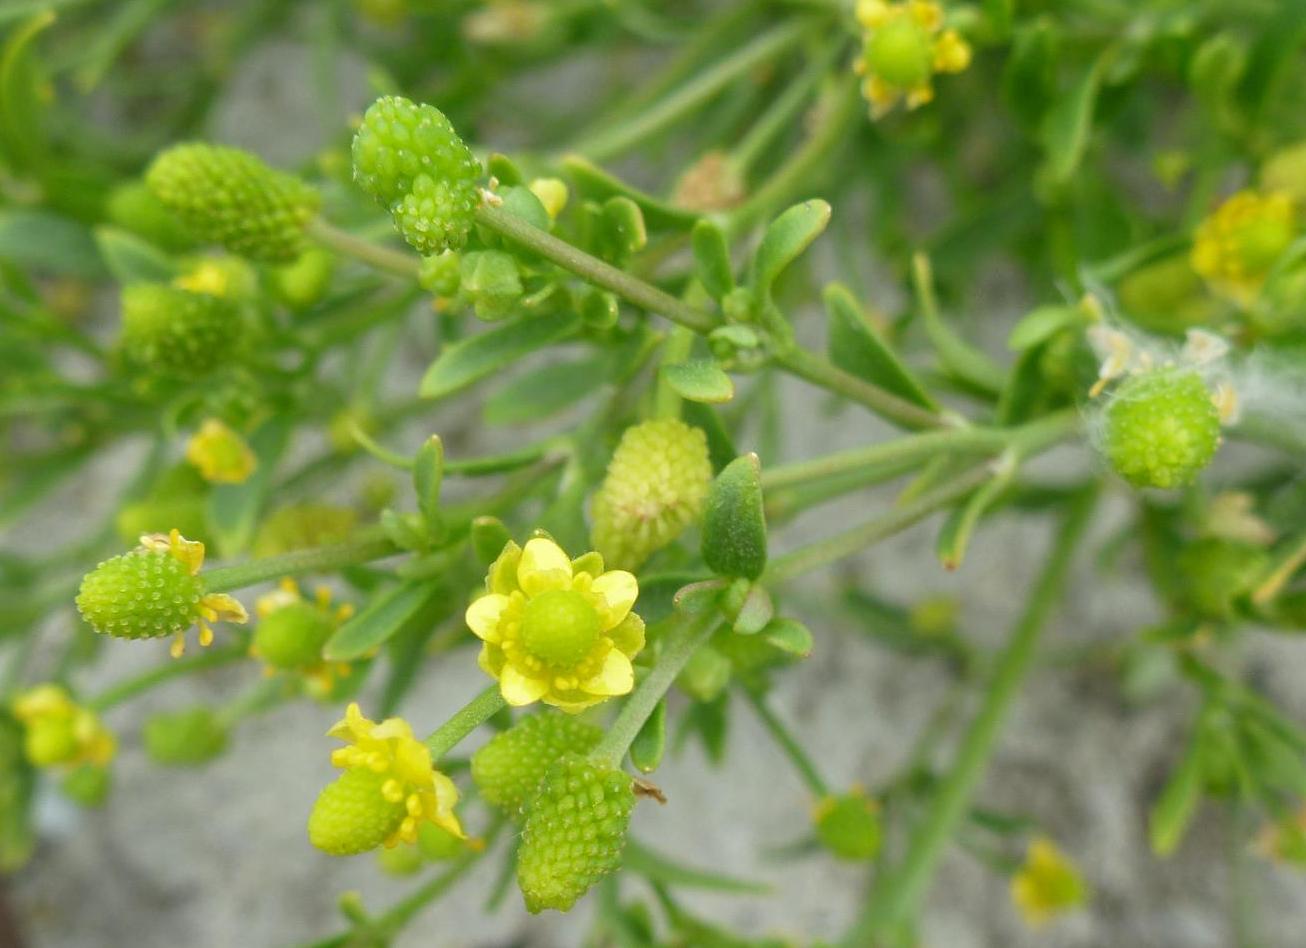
(651, 742)
(712, 263)
(428, 475)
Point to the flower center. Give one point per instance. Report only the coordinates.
(560, 627)
(900, 53)
(1261, 242)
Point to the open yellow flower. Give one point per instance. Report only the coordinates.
(391, 750)
(557, 630)
(59, 731)
(1047, 885)
(221, 455)
(905, 46)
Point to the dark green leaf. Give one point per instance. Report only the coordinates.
(471, 360)
(856, 346)
(734, 524)
(784, 241)
(384, 617)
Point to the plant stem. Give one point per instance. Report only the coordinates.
(793, 750)
(884, 403)
(375, 255)
(682, 641)
(913, 447)
(176, 668)
(591, 268)
(369, 544)
(618, 138)
(851, 541)
(467, 719)
(895, 898)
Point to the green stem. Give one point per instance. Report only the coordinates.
(382, 258)
(884, 403)
(858, 538)
(780, 115)
(467, 719)
(666, 403)
(176, 668)
(682, 641)
(369, 544)
(896, 898)
(793, 750)
(591, 268)
(618, 138)
(913, 447)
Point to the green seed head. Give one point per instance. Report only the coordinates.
(1161, 428)
(143, 594)
(901, 53)
(1217, 572)
(574, 832)
(231, 197)
(656, 486)
(185, 738)
(409, 158)
(560, 628)
(352, 815)
(292, 636)
(175, 332)
(849, 826)
(509, 768)
(440, 274)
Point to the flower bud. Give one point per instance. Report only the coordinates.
(185, 738)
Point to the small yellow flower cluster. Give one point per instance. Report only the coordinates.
(1047, 885)
(905, 46)
(58, 731)
(390, 749)
(1237, 246)
(220, 454)
(557, 630)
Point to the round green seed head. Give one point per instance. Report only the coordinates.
(509, 768)
(185, 738)
(560, 627)
(352, 816)
(1161, 428)
(292, 636)
(410, 159)
(849, 826)
(176, 332)
(143, 594)
(574, 832)
(229, 196)
(50, 740)
(901, 53)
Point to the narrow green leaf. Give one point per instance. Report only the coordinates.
(652, 865)
(1069, 124)
(49, 242)
(592, 181)
(131, 259)
(1041, 324)
(784, 241)
(954, 538)
(624, 224)
(734, 524)
(856, 346)
(962, 360)
(712, 263)
(545, 391)
(489, 537)
(1175, 807)
(471, 360)
(22, 140)
(384, 616)
(789, 635)
(428, 475)
(700, 380)
(698, 597)
(651, 742)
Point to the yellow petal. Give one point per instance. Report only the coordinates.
(619, 591)
(517, 689)
(446, 796)
(225, 608)
(483, 616)
(543, 566)
(616, 678)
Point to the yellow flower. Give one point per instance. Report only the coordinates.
(1237, 246)
(226, 277)
(905, 46)
(213, 607)
(57, 730)
(390, 749)
(1047, 885)
(221, 455)
(557, 630)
